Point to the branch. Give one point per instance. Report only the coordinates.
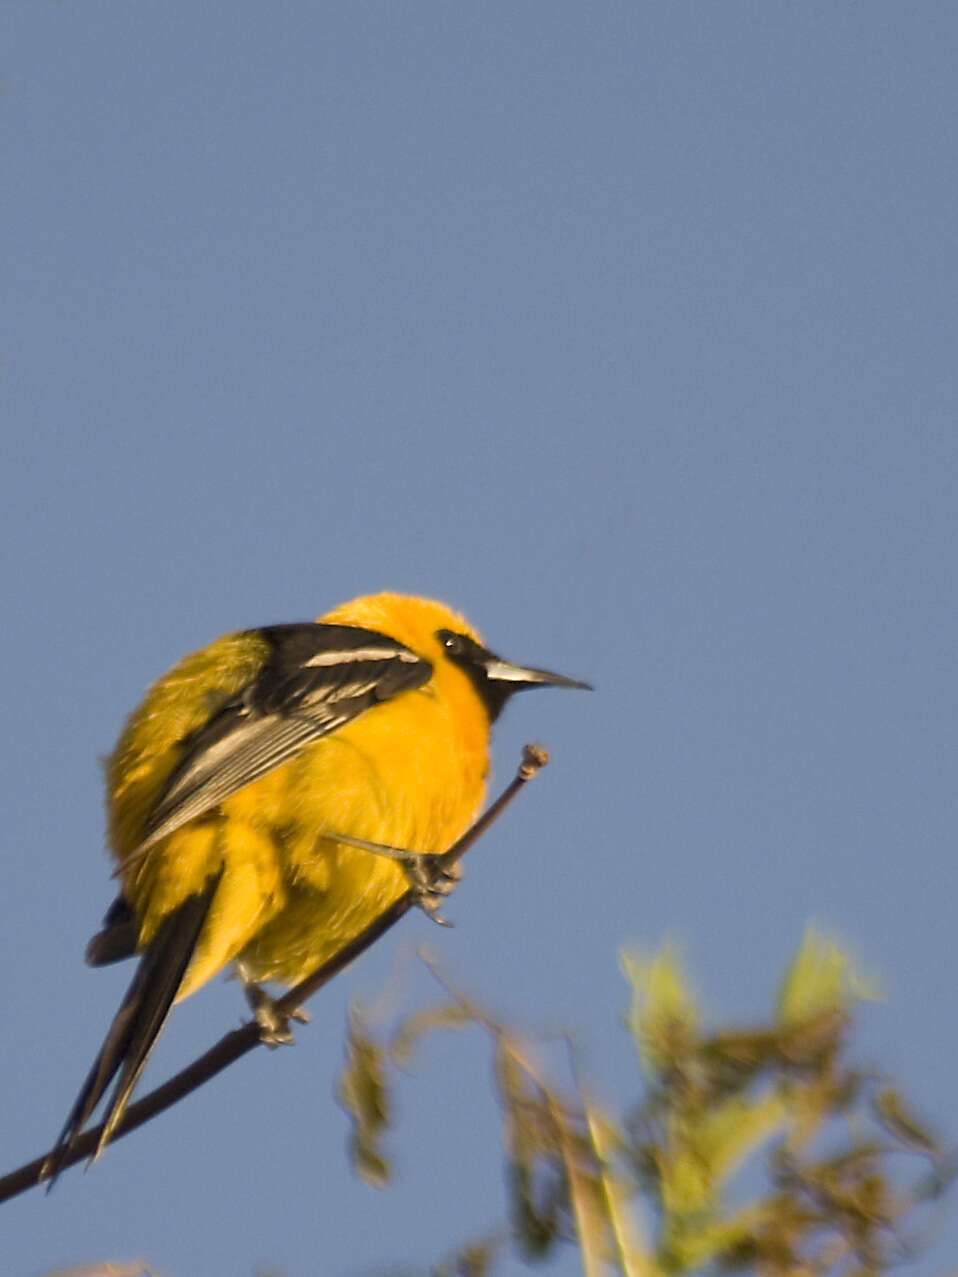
(242, 1040)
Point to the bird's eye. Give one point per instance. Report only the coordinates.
(450, 641)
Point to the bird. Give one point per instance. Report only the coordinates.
(272, 795)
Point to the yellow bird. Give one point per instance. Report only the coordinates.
(232, 781)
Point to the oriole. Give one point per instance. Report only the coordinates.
(231, 781)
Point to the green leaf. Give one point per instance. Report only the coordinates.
(362, 1092)
(901, 1122)
(735, 1129)
(821, 978)
(663, 1017)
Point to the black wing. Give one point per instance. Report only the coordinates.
(317, 678)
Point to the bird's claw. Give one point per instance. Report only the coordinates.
(273, 1023)
(430, 878)
(431, 881)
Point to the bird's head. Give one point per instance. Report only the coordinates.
(433, 630)
(496, 679)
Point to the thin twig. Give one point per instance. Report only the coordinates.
(242, 1040)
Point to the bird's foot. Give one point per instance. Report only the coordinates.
(430, 879)
(431, 882)
(273, 1024)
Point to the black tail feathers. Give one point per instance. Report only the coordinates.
(135, 1028)
(117, 939)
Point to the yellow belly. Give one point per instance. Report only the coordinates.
(371, 781)
(291, 896)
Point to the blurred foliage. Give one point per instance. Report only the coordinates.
(758, 1148)
(362, 1092)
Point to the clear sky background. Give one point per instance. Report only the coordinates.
(628, 328)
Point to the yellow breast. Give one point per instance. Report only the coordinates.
(407, 775)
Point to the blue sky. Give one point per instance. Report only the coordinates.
(630, 330)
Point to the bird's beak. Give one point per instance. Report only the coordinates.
(519, 676)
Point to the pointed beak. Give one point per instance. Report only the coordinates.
(519, 676)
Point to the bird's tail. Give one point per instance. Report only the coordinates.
(136, 1026)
